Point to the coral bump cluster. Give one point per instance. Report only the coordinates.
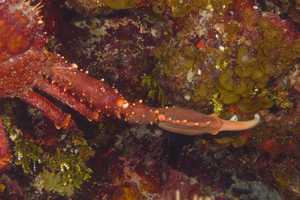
(25, 64)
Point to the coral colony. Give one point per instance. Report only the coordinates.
(96, 76)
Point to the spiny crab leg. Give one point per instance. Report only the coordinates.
(103, 98)
(189, 122)
(183, 121)
(95, 92)
(139, 113)
(64, 96)
(59, 118)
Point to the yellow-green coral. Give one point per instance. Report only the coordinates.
(63, 171)
(53, 182)
(28, 155)
(71, 167)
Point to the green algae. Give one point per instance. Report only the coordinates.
(121, 4)
(70, 167)
(226, 80)
(53, 182)
(246, 63)
(272, 34)
(240, 87)
(218, 106)
(154, 89)
(229, 98)
(61, 172)
(28, 155)
(250, 64)
(231, 31)
(181, 8)
(266, 102)
(159, 8)
(248, 105)
(282, 178)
